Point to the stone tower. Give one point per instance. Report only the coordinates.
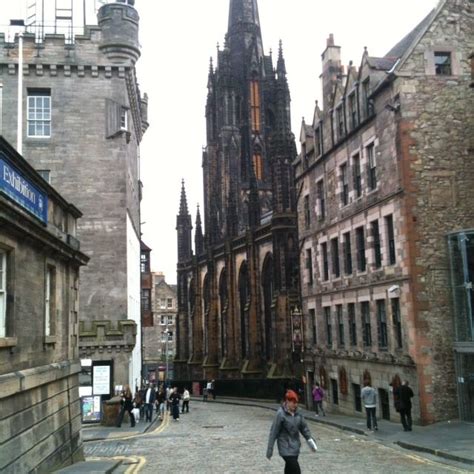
(87, 146)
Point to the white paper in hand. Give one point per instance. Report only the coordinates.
(312, 445)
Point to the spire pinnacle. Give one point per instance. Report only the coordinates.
(281, 67)
(183, 204)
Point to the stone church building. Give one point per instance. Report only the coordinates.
(386, 175)
(238, 289)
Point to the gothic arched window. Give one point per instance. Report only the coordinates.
(244, 300)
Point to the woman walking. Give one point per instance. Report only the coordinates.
(286, 429)
(127, 406)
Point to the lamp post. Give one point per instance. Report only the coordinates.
(166, 333)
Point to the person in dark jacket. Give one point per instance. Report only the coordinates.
(175, 397)
(404, 394)
(127, 405)
(286, 429)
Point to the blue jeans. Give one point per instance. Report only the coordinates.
(371, 418)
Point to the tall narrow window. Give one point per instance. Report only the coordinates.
(340, 324)
(352, 324)
(3, 293)
(382, 324)
(124, 119)
(376, 239)
(368, 105)
(255, 105)
(309, 266)
(49, 302)
(344, 184)
(356, 173)
(397, 322)
(366, 326)
(340, 122)
(146, 299)
(325, 262)
(321, 200)
(347, 253)
(443, 63)
(371, 167)
(392, 257)
(336, 270)
(353, 111)
(312, 317)
(258, 166)
(39, 113)
(327, 316)
(317, 142)
(307, 213)
(360, 242)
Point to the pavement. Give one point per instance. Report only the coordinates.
(452, 440)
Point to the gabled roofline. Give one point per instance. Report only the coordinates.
(434, 14)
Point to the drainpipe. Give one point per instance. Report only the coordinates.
(19, 143)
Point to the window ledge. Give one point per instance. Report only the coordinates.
(49, 339)
(8, 342)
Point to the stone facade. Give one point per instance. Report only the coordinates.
(385, 172)
(156, 342)
(40, 419)
(238, 289)
(90, 154)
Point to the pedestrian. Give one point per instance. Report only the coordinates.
(318, 396)
(150, 398)
(213, 389)
(186, 398)
(369, 398)
(161, 402)
(175, 397)
(286, 429)
(169, 391)
(127, 406)
(204, 394)
(209, 388)
(403, 395)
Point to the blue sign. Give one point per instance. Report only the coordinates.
(16, 187)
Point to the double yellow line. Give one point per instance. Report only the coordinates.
(137, 462)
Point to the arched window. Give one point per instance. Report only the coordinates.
(268, 288)
(255, 105)
(244, 299)
(223, 305)
(207, 303)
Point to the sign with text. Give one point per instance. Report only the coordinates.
(101, 380)
(17, 188)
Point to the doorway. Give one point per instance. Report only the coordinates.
(465, 366)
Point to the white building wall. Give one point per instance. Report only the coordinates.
(133, 305)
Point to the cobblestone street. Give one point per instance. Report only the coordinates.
(217, 438)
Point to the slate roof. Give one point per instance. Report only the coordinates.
(382, 64)
(402, 46)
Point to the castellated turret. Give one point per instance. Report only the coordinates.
(119, 23)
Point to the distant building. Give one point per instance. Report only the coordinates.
(160, 338)
(386, 174)
(84, 118)
(239, 290)
(40, 259)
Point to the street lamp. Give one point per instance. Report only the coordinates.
(166, 333)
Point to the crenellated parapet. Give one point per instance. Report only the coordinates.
(100, 336)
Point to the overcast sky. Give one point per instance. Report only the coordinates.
(179, 36)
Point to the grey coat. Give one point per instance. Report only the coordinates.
(286, 430)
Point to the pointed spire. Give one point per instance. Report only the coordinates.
(183, 204)
(243, 11)
(244, 27)
(281, 67)
(198, 235)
